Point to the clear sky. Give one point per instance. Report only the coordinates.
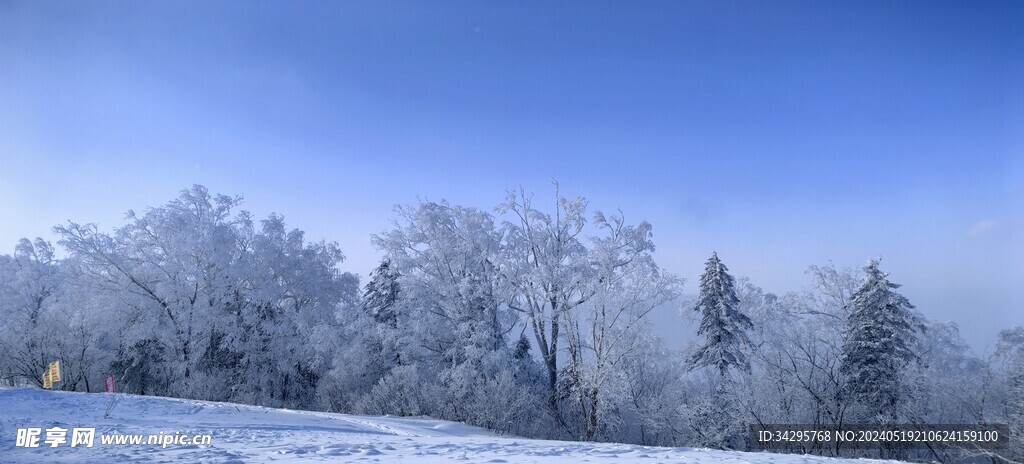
(780, 134)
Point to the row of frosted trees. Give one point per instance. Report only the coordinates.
(521, 319)
(191, 299)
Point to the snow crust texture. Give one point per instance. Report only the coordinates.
(250, 434)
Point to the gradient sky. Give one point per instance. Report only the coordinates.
(780, 134)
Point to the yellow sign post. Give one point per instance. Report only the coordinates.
(55, 371)
(51, 375)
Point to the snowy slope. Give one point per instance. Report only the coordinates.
(243, 434)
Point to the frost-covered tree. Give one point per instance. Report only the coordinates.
(715, 417)
(374, 340)
(1011, 348)
(170, 270)
(548, 270)
(796, 369)
(284, 315)
(950, 383)
(879, 342)
(446, 259)
(650, 400)
(1015, 407)
(209, 306)
(30, 284)
(723, 326)
(610, 327)
(584, 298)
(380, 295)
(49, 313)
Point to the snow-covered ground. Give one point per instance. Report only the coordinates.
(243, 434)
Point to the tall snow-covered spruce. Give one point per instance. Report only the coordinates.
(381, 294)
(722, 324)
(878, 343)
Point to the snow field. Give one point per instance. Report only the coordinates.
(251, 434)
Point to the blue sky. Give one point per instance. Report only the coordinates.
(780, 134)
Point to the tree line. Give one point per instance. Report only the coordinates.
(522, 319)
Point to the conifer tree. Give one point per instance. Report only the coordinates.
(722, 324)
(878, 342)
(381, 294)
